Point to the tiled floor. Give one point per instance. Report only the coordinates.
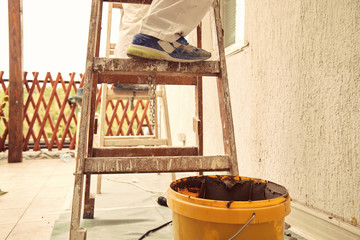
(38, 203)
(37, 190)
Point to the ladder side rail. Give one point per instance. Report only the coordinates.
(89, 200)
(199, 100)
(93, 95)
(104, 91)
(199, 116)
(77, 233)
(224, 96)
(95, 78)
(108, 29)
(165, 107)
(96, 68)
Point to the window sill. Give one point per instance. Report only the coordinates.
(236, 48)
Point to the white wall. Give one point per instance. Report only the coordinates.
(296, 101)
(181, 102)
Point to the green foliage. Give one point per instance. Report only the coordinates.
(4, 111)
(53, 113)
(53, 117)
(3, 102)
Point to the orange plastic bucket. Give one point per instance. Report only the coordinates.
(207, 219)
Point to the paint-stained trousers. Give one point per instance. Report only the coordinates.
(163, 19)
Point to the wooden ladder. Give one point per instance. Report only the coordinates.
(158, 135)
(151, 159)
(131, 92)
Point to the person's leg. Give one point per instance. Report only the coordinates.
(130, 23)
(163, 29)
(169, 20)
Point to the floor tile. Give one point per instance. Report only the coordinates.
(5, 230)
(11, 215)
(37, 230)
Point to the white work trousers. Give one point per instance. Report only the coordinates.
(165, 19)
(130, 23)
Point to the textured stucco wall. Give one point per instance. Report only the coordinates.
(181, 102)
(296, 101)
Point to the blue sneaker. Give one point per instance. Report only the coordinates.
(145, 46)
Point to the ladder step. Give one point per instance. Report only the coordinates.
(142, 152)
(141, 67)
(108, 77)
(95, 165)
(128, 141)
(117, 95)
(130, 1)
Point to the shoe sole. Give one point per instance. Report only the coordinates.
(142, 52)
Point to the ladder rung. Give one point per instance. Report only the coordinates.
(139, 79)
(157, 164)
(117, 5)
(130, 1)
(123, 141)
(148, 151)
(120, 94)
(139, 66)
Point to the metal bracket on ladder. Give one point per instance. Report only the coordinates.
(97, 160)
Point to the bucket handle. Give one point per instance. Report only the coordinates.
(252, 218)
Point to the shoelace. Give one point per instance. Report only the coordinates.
(182, 40)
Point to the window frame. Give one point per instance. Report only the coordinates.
(239, 43)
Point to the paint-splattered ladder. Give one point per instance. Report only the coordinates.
(144, 121)
(92, 160)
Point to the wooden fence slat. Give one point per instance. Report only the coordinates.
(42, 132)
(119, 113)
(57, 99)
(145, 116)
(148, 123)
(37, 106)
(109, 132)
(137, 117)
(47, 111)
(45, 105)
(62, 115)
(130, 131)
(67, 127)
(139, 130)
(44, 119)
(67, 120)
(29, 100)
(123, 118)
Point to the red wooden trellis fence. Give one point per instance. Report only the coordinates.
(49, 122)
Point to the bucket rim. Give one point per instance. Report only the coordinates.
(230, 204)
(236, 212)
